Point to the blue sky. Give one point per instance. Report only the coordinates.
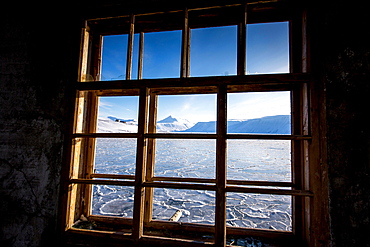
(212, 53)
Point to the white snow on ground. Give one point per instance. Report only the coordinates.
(106, 125)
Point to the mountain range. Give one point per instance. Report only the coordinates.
(279, 124)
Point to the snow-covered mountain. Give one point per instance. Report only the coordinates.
(267, 125)
(171, 124)
(119, 125)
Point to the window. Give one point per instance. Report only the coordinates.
(236, 166)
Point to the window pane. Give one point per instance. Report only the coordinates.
(114, 57)
(187, 113)
(110, 200)
(261, 211)
(162, 55)
(135, 57)
(185, 158)
(194, 206)
(115, 156)
(118, 114)
(259, 113)
(213, 51)
(259, 160)
(268, 48)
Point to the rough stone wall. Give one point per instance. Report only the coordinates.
(35, 61)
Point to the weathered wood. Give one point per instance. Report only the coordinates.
(130, 46)
(105, 135)
(152, 128)
(185, 49)
(101, 181)
(139, 193)
(179, 186)
(267, 233)
(70, 198)
(112, 220)
(267, 80)
(155, 240)
(242, 43)
(141, 56)
(112, 176)
(176, 216)
(82, 76)
(96, 233)
(260, 183)
(92, 106)
(221, 168)
(181, 136)
(183, 180)
(268, 137)
(118, 92)
(269, 191)
(193, 136)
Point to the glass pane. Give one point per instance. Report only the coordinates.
(193, 206)
(118, 114)
(114, 57)
(185, 158)
(110, 200)
(135, 57)
(261, 211)
(259, 113)
(187, 113)
(213, 51)
(259, 160)
(268, 48)
(115, 156)
(162, 55)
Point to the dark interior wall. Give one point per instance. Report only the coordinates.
(37, 52)
(38, 61)
(341, 55)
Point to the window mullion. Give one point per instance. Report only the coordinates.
(220, 220)
(297, 160)
(150, 157)
(242, 43)
(130, 47)
(141, 56)
(138, 217)
(185, 50)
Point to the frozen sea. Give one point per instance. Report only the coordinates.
(257, 160)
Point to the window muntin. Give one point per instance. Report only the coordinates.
(145, 137)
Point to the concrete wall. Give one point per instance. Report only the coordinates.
(38, 52)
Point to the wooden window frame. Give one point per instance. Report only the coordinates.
(80, 178)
